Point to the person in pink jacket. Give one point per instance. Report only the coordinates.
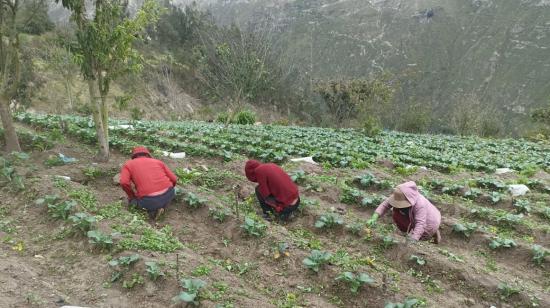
(412, 213)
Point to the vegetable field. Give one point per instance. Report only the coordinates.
(66, 224)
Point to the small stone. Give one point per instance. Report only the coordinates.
(116, 179)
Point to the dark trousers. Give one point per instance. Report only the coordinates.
(267, 209)
(151, 204)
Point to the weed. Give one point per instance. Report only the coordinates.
(54, 160)
(219, 213)
(85, 198)
(431, 284)
(125, 261)
(201, 270)
(137, 279)
(409, 303)
(186, 176)
(191, 295)
(47, 200)
(304, 239)
(472, 193)
(281, 250)
(453, 190)
(506, 290)
(153, 240)
(356, 227)
(316, 259)
(406, 170)
(91, 173)
(111, 210)
(451, 256)
(496, 197)
(355, 280)
(254, 227)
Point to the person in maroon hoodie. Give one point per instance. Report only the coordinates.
(276, 191)
(153, 181)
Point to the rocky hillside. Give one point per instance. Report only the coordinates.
(442, 49)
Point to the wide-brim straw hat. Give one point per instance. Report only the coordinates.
(398, 199)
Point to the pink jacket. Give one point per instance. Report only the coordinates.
(424, 216)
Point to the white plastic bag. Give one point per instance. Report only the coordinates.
(503, 170)
(518, 189)
(179, 155)
(308, 159)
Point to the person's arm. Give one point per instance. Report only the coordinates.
(420, 216)
(125, 182)
(383, 207)
(173, 178)
(263, 186)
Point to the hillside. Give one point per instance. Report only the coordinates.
(202, 235)
(496, 51)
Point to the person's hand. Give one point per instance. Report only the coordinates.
(410, 240)
(372, 221)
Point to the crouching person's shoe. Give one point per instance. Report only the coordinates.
(437, 237)
(159, 213)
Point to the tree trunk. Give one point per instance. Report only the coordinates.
(69, 94)
(105, 116)
(12, 142)
(102, 140)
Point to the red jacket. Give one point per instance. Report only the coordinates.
(149, 176)
(273, 180)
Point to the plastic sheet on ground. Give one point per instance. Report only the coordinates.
(66, 159)
(179, 155)
(503, 170)
(308, 159)
(518, 189)
(121, 126)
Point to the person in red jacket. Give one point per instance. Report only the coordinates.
(153, 181)
(276, 191)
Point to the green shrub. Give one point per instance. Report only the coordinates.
(245, 117)
(223, 117)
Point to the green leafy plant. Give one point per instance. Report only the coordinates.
(497, 243)
(186, 176)
(99, 239)
(298, 176)
(92, 173)
(496, 197)
(388, 241)
(372, 201)
(219, 213)
(355, 280)
(406, 170)
(506, 290)
(539, 254)
(508, 219)
(356, 227)
(522, 206)
(329, 220)
(350, 195)
(154, 270)
(472, 193)
(317, 259)
(82, 221)
(191, 295)
(409, 303)
(418, 260)
(194, 201)
(453, 190)
(254, 227)
(61, 210)
(136, 280)
(245, 117)
(201, 270)
(125, 261)
(466, 229)
(47, 200)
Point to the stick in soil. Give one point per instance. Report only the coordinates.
(178, 268)
(236, 191)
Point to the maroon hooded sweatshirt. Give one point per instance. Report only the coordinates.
(272, 180)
